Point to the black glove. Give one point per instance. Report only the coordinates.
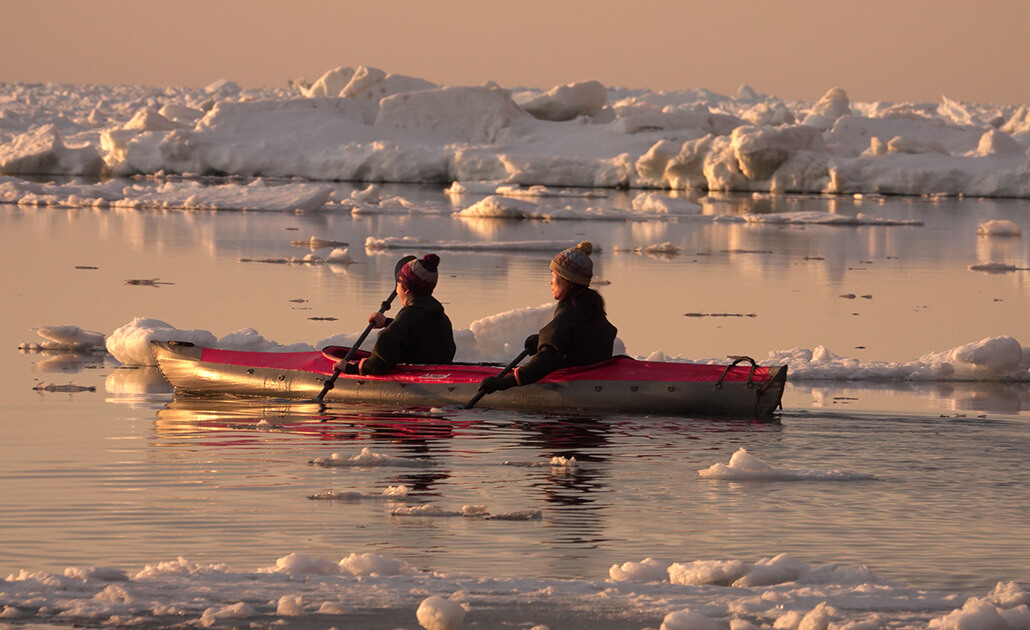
(493, 384)
(350, 367)
(531, 343)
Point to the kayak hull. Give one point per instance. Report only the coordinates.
(620, 385)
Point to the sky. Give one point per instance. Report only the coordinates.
(876, 50)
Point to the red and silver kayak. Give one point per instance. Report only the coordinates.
(619, 385)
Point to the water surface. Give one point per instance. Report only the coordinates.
(129, 474)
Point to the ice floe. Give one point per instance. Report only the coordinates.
(384, 127)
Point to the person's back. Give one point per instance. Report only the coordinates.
(578, 334)
(580, 329)
(421, 332)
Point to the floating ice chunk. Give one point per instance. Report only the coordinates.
(663, 204)
(699, 572)
(458, 189)
(332, 608)
(290, 606)
(647, 570)
(392, 493)
(770, 571)
(504, 333)
(370, 564)
(437, 613)
(813, 217)
(65, 338)
(298, 564)
(500, 207)
(976, 613)
(990, 359)
(239, 610)
(687, 619)
(999, 227)
(180, 567)
(314, 243)
(368, 458)
(339, 256)
(130, 344)
(746, 467)
(256, 196)
(427, 509)
(538, 191)
(105, 574)
(990, 355)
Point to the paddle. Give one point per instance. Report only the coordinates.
(385, 306)
(530, 349)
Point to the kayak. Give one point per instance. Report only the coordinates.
(618, 385)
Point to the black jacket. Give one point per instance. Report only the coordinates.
(421, 333)
(579, 334)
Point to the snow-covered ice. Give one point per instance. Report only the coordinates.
(498, 337)
(773, 592)
(365, 124)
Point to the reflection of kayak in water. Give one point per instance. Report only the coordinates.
(619, 385)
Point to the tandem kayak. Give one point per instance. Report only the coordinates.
(618, 385)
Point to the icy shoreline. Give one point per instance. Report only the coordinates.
(366, 125)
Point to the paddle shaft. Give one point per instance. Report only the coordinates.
(508, 368)
(331, 381)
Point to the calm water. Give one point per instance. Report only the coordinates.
(129, 475)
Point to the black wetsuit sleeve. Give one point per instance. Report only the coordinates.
(546, 360)
(390, 348)
(552, 346)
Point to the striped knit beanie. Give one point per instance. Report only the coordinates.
(419, 276)
(574, 264)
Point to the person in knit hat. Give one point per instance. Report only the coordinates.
(578, 334)
(420, 333)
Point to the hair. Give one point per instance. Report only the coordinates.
(586, 298)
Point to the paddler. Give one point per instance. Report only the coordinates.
(578, 334)
(420, 333)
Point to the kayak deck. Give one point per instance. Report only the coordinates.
(620, 384)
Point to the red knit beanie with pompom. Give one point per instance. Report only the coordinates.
(419, 276)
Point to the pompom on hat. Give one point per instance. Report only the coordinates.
(574, 264)
(420, 276)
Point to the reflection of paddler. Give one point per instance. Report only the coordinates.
(578, 334)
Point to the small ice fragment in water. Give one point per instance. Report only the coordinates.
(999, 227)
